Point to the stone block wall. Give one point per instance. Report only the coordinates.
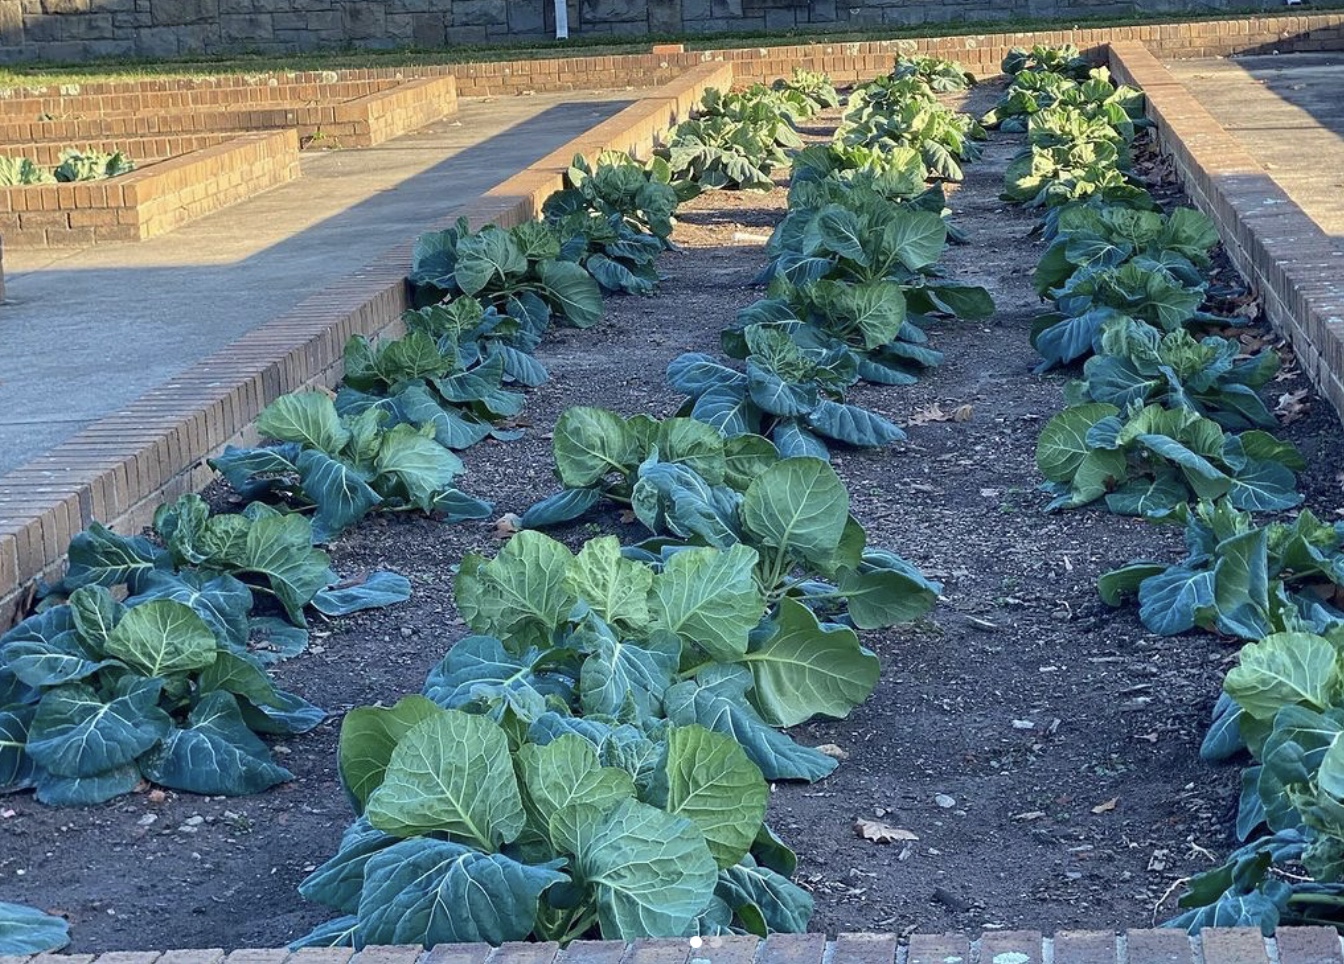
(75, 30)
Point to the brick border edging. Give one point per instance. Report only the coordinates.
(1291, 945)
(1295, 267)
(119, 469)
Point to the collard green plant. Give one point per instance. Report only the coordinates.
(689, 486)
(15, 171)
(942, 76)
(26, 930)
(145, 689)
(793, 395)
(1142, 288)
(1149, 460)
(815, 86)
(1092, 235)
(892, 113)
(517, 272)
(92, 165)
(1138, 364)
(1065, 60)
(553, 833)
(1240, 579)
(456, 388)
(615, 219)
(718, 153)
(1284, 702)
(219, 565)
(345, 467)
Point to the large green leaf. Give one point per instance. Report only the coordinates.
(652, 871)
(488, 255)
(590, 443)
(76, 733)
(797, 505)
(713, 783)
(478, 675)
(216, 753)
(803, 669)
(572, 291)
(422, 466)
(524, 588)
(618, 672)
(1284, 669)
(915, 238)
(279, 547)
(308, 418)
(762, 897)
(1063, 443)
(717, 700)
(16, 767)
(709, 597)
(450, 774)
(430, 892)
(58, 791)
(369, 734)
(616, 588)
(161, 638)
(567, 772)
(342, 497)
(26, 930)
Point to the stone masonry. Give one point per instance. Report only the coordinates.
(76, 30)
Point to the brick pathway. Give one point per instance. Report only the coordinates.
(1292, 945)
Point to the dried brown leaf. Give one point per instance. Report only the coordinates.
(879, 832)
(1106, 806)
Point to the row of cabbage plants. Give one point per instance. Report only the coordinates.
(594, 759)
(1166, 423)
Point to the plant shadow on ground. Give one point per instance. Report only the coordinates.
(1042, 747)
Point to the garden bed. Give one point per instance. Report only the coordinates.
(1042, 747)
(334, 114)
(151, 201)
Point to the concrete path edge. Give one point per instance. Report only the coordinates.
(118, 470)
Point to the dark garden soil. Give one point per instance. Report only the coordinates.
(1040, 746)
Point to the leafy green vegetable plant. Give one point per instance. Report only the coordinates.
(615, 219)
(792, 394)
(92, 165)
(891, 113)
(942, 76)
(344, 467)
(423, 381)
(1240, 579)
(1137, 363)
(688, 485)
(1149, 460)
(113, 693)
(718, 153)
(1065, 60)
(517, 272)
(815, 86)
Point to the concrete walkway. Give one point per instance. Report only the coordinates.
(85, 332)
(1288, 113)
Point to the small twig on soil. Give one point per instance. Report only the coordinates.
(1167, 893)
